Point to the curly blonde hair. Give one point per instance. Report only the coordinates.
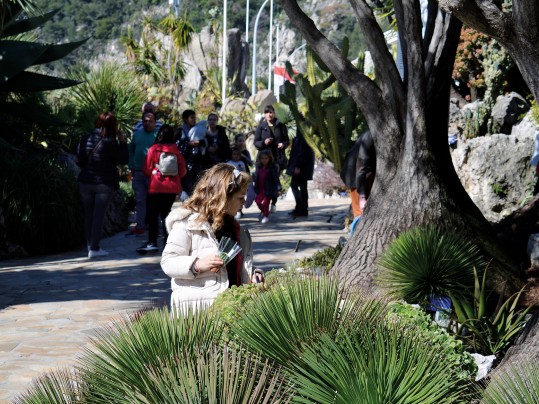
(213, 191)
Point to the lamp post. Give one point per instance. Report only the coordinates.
(253, 77)
(225, 46)
(270, 64)
(247, 22)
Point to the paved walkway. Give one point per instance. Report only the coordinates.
(50, 306)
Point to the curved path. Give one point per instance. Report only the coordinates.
(51, 305)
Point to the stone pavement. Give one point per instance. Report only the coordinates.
(50, 306)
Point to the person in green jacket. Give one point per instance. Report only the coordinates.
(142, 140)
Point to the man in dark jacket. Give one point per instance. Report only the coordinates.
(300, 168)
(358, 171)
(271, 134)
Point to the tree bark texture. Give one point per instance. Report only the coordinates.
(416, 184)
(516, 30)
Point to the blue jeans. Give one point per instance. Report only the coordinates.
(140, 185)
(95, 200)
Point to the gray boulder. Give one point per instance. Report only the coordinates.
(506, 112)
(495, 170)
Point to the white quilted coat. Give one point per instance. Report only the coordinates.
(187, 240)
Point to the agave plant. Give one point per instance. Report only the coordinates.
(488, 333)
(517, 384)
(108, 88)
(423, 262)
(19, 54)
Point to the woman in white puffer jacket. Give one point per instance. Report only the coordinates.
(190, 256)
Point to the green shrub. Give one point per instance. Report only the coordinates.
(485, 332)
(40, 202)
(453, 350)
(428, 261)
(321, 259)
(128, 195)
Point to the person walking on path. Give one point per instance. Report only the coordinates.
(271, 134)
(300, 168)
(140, 143)
(99, 154)
(164, 167)
(358, 172)
(266, 183)
(191, 255)
(218, 145)
(192, 145)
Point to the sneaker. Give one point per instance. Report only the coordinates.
(273, 208)
(147, 248)
(265, 219)
(97, 253)
(135, 231)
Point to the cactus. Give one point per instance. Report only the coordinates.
(326, 115)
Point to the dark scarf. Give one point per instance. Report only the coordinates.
(231, 229)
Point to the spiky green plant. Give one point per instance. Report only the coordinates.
(342, 346)
(378, 363)
(516, 384)
(488, 333)
(428, 261)
(108, 87)
(328, 344)
(154, 357)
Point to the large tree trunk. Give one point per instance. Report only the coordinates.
(416, 184)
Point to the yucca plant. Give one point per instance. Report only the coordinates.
(428, 261)
(376, 363)
(517, 384)
(19, 53)
(341, 346)
(108, 88)
(488, 333)
(155, 357)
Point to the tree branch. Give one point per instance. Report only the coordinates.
(387, 75)
(363, 90)
(483, 15)
(409, 23)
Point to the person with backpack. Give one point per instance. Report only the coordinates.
(164, 166)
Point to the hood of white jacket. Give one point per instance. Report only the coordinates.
(189, 218)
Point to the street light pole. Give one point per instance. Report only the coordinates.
(270, 64)
(253, 77)
(247, 22)
(225, 46)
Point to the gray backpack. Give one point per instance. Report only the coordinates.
(168, 164)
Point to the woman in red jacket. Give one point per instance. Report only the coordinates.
(165, 166)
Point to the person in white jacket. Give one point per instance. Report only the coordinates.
(190, 257)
